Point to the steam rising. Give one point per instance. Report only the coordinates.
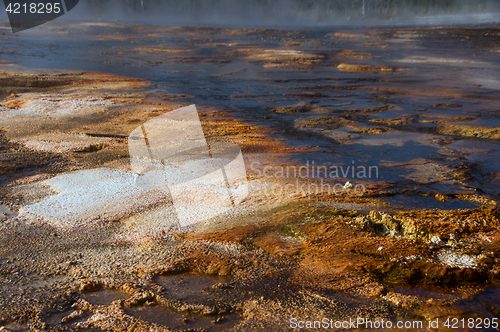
(292, 12)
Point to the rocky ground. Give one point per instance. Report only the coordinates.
(103, 266)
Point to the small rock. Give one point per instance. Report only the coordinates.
(218, 320)
(347, 185)
(387, 218)
(74, 315)
(221, 285)
(404, 301)
(147, 278)
(90, 286)
(374, 215)
(436, 239)
(442, 198)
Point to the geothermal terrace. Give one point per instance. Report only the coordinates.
(82, 248)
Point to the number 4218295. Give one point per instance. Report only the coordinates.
(33, 8)
(472, 323)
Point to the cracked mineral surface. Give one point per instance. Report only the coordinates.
(372, 161)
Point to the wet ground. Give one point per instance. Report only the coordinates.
(418, 108)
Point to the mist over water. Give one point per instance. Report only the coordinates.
(291, 13)
(288, 13)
